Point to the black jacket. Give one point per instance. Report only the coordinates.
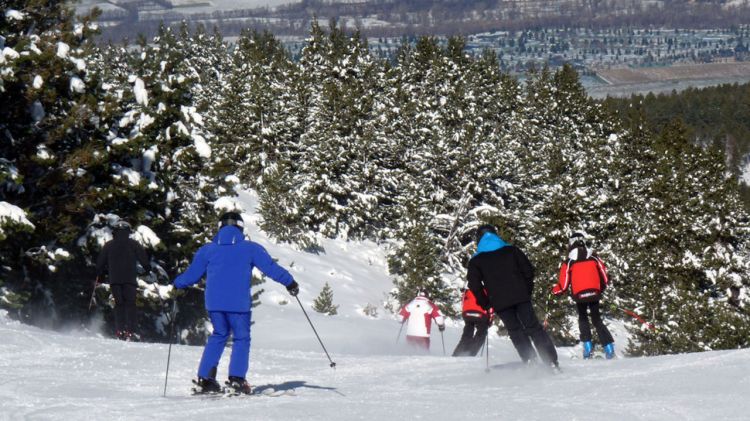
(119, 257)
(506, 274)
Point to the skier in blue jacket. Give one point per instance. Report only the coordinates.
(227, 262)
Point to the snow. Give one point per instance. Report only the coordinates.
(10, 54)
(13, 214)
(133, 176)
(745, 173)
(201, 146)
(62, 49)
(139, 90)
(12, 14)
(43, 153)
(38, 82)
(146, 236)
(77, 85)
(228, 204)
(72, 375)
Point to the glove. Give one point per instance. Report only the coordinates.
(293, 289)
(441, 327)
(556, 289)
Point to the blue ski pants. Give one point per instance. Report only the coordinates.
(223, 322)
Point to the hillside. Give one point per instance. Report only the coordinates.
(72, 375)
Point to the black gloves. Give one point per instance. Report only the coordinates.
(441, 327)
(293, 289)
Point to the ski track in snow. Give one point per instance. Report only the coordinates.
(80, 375)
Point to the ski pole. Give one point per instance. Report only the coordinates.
(171, 339)
(399, 330)
(93, 290)
(333, 364)
(442, 338)
(634, 315)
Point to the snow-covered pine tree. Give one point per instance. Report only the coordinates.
(47, 126)
(686, 250)
(336, 74)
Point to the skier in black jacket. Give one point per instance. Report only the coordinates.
(506, 274)
(118, 259)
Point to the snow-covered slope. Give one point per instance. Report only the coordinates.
(79, 375)
(54, 376)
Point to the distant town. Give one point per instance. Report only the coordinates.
(615, 56)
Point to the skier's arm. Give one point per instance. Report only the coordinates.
(439, 319)
(265, 263)
(403, 314)
(474, 276)
(563, 280)
(195, 272)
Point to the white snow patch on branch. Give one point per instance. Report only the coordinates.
(141, 95)
(77, 85)
(201, 146)
(62, 50)
(12, 14)
(10, 54)
(10, 213)
(146, 236)
(228, 204)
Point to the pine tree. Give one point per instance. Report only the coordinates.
(324, 302)
(47, 126)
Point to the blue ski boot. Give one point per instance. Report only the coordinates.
(588, 348)
(609, 350)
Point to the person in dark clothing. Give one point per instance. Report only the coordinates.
(507, 276)
(585, 275)
(118, 260)
(476, 322)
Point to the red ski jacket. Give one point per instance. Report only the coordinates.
(586, 278)
(471, 310)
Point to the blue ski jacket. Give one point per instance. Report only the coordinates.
(228, 262)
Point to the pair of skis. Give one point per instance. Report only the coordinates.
(227, 392)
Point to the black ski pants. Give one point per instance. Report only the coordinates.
(596, 318)
(472, 339)
(125, 312)
(522, 324)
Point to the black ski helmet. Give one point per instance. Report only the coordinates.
(122, 225)
(576, 239)
(231, 218)
(484, 229)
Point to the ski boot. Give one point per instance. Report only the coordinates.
(238, 386)
(206, 386)
(588, 349)
(609, 350)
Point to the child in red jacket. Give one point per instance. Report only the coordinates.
(586, 276)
